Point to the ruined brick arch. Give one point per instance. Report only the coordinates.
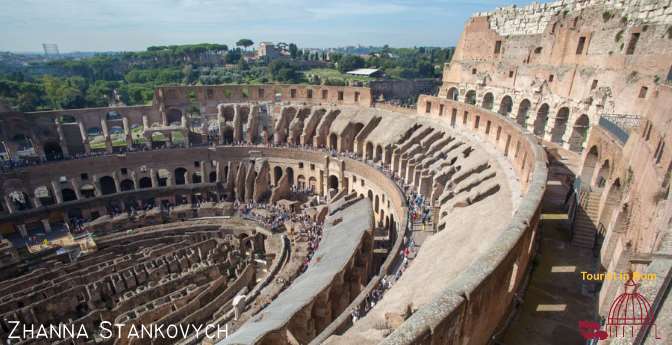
(23, 143)
(453, 93)
(333, 182)
(87, 191)
(541, 119)
(369, 151)
(379, 153)
(180, 176)
(126, 185)
(173, 116)
(579, 133)
(589, 165)
(333, 141)
(488, 101)
(277, 175)
(506, 105)
(470, 97)
(301, 182)
(20, 200)
(44, 195)
(68, 194)
(227, 134)
(212, 177)
(312, 183)
(348, 135)
(290, 175)
(107, 185)
(52, 151)
(560, 125)
(523, 110)
(145, 182)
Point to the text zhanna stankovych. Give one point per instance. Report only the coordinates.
(110, 330)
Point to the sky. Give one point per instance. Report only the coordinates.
(124, 25)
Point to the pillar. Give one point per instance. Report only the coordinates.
(9, 204)
(55, 186)
(22, 230)
(75, 187)
(128, 133)
(46, 225)
(85, 138)
(61, 140)
(154, 178)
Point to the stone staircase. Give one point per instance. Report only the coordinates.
(585, 222)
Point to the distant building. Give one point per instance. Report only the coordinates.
(268, 51)
(367, 72)
(51, 50)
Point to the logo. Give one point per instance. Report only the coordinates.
(629, 313)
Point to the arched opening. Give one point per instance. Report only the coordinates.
(87, 191)
(523, 109)
(107, 185)
(24, 145)
(376, 204)
(174, 117)
(277, 174)
(227, 135)
(560, 125)
(312, 184)
(612, 203)
(540, 121)
(196, 177)
(333, 141)
(602, 175)
(506, 106)
(589, 164)
(333, 182)
(212, 178)
(43, 195)
(53, 151)
(470, 97)
(118, 136)
(379, 153)
(20, 200)
(369, 151)
(96, 138)
(162, 177)
(145, 183)
(301, 182)
(127, 185)
(180, 176)
(290, 175)
(453, 93)
(68, 194)
(158, 140)
(579, 133)
(488, 101)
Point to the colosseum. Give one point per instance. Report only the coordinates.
(312, 214)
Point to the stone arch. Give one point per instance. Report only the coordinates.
(180, 176)
(127, 185)
(602, 175)
(379, 153)
(301, 182)
(87, 191)
(107, 185)
(369, 151)
(174, 117)
(505, 106)
(66, 119)
(579, 133)
(312, 183)
(20, 200)
(470, 97)
(541, 119)
(560, 125)
(376, 204)
(24, 145)
(589, 164)
(53, 151)
(145, 182)
(488, 101)
(523, 110)
(277, 174)
(113, 115)
(162, 176)
(68, 194)
(227, 135)
(212, 177)
(44, 196)
(333, 182)
(453, 93)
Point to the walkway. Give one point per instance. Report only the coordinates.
(556, 298)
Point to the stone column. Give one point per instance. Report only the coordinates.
(96, 184)
(9, 204)
(127, 133)
(46, 225)
(154, 178)
(85, 138)
(22, 230)
(57, 192)
(61, 140)
(106, 134)
(75, 187)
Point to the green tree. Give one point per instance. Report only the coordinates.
(350, 62)
(293, 50)
(244, 42)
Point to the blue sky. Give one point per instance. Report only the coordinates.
(106, 25)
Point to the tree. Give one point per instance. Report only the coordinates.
(283, 71)
(293, 50)
(244, 42)
(350, 62)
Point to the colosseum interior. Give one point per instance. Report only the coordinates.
(303, 214)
